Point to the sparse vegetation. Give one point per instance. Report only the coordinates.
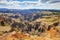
(34, 26)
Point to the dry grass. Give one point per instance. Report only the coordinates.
(5, 28)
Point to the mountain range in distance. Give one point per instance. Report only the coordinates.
(25, 11)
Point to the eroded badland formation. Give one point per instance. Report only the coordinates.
(35, 26)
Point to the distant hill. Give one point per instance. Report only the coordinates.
(5, 10)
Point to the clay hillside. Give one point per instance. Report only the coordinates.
(44, 25)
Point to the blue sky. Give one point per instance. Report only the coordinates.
(30, 4)
(30, 0)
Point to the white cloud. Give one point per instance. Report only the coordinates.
(29, 4)
(17, 4)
